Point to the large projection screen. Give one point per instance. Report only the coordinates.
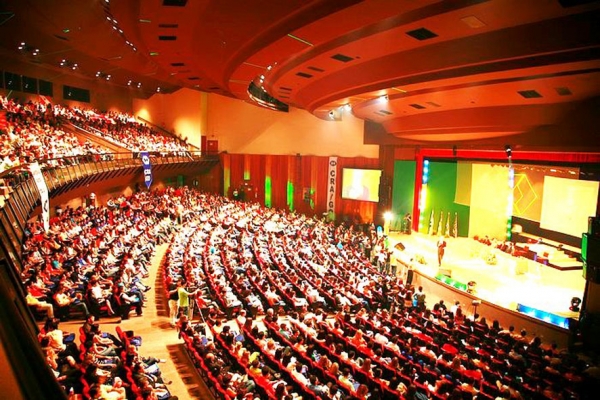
(361, 184)
(567, 204)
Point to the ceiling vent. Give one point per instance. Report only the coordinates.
(167, 37)
(417, 106)
(431, 103)
(177, 64)
(174, 3)
(316, 69)
(529, 94)
(421, 34)
(168, 26)
(193, 78)
(304, 75)
(563, 91)
(214, 88)
(61, 38)
(473, 22)
(385, 112)
(342, 58)
(285, 88)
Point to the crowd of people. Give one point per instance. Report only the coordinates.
(34, 132)
(92, 263)
(38, 131)
(306, 314)
(104, 366)
(287, 307)
(124, 130)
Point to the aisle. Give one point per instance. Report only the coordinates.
(159, 339)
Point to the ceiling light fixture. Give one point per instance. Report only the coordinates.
(25, 48)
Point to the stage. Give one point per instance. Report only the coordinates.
(508, 282)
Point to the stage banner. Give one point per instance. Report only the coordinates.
(40, 182)
(431, 222)
(331, 186)
(455, 227)
(147, 168)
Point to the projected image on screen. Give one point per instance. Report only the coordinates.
(567, 204)
(360, 184)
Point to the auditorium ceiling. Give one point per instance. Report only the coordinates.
(426, 71)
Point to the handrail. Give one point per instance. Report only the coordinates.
(160, 128)
(96, 133)
(83, 165)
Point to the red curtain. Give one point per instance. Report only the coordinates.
(307, 175)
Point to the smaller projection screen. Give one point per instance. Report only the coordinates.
(361, 184)
(567, 204)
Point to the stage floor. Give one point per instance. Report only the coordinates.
(509, 282)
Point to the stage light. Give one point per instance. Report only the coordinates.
(331, 114)
(508, 150)
(387, 216)
(575, 303)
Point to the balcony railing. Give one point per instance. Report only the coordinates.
(19, 195)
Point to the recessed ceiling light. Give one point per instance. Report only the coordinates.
(473, 22)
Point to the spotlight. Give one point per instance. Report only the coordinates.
(331, 114)
(508, 150)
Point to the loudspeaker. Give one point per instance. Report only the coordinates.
(591, 272)
(590, 249)
(594, 226)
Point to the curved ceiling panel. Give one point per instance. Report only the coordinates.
(456, 70)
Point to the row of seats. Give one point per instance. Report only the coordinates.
(273, 266)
